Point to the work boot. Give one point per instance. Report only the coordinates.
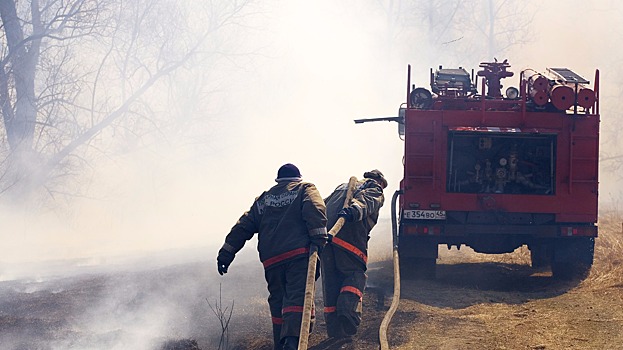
(336, 332)
(347, 326)
(290, 343)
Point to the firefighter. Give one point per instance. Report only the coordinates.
(344, 260)
(288, 218)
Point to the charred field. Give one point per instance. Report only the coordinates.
(159, 303)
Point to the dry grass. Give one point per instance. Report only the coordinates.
(521, 256)
(607, 269)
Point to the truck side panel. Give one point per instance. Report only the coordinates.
(427, 157)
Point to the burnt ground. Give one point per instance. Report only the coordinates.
(477, 302)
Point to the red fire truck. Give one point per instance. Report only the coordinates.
(496, 171)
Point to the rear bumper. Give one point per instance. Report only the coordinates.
(441, 229)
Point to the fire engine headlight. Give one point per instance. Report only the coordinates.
(512, 93)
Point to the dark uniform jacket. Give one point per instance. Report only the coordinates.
(367, 200)
(286, 216)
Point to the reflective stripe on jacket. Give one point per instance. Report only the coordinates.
(284, 218)
(367, 200)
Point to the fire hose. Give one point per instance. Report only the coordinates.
(311, 271)
(396, 299)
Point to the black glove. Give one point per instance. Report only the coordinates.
(223, 261)
(347, 213)
(329, 238)
(319, 241)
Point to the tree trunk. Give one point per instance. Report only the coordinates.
(20, 69)
(17, 96)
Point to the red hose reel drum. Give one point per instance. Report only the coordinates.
(562, 97)
(539, 98)
(538, 85)
(586, 97)
(538, 82)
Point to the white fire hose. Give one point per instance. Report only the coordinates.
(396, 299)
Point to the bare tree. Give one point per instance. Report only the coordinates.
(500, 25)
(73, 71)
(462, 30)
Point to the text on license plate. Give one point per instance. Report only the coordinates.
(424, 214)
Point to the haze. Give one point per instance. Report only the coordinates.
(299, 72)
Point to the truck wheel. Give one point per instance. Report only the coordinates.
(418, 268)
(573, 258)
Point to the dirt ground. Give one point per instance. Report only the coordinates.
(476, 302)
(499, 302)
(483, 305)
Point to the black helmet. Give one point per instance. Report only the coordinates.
(288, 172)
(376, 175)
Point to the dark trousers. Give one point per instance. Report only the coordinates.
(343, 282)
(286, 288)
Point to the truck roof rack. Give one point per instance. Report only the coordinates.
(567, 75)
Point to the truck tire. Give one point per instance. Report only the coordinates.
(573, 258)
(418, 268)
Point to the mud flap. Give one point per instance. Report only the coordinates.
(418, 257)
(540, 255)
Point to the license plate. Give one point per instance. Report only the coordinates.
(424, 214)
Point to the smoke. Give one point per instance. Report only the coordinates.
(314, 67)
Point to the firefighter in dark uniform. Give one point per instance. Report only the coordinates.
(344, 260)
(288, 218)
